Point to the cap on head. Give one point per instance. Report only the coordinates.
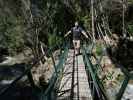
(76, 23)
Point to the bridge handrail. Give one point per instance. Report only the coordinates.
(47, 93)
(98, 85)
(35, 62)
(94, 72)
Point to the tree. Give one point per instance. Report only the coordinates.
(11, 30)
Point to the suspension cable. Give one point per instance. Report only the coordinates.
(92, 22)
(123, 18)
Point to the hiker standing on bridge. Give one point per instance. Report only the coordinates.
(76, 31)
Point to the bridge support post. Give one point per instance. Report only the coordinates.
(123, 87)
(30, 77)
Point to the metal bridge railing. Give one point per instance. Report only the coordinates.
(50, 92)
(94, 71)
(28, 73)
(93, 77)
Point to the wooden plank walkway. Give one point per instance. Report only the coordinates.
(74, 84)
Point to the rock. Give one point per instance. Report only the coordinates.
(42, 73)
(42, 81)
(128, 95)
(8, 61)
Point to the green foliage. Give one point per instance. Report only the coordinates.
(130, 1)
(99, 50)
(53, 40)
(54, 16)
(130, 29)
(11, 36)
(86, 20)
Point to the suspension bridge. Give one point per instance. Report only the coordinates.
(77, 77)
(82, 77)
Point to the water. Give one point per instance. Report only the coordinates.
(128, 95)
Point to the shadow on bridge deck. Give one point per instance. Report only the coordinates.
(74, 84)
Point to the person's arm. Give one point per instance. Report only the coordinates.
(84, 33)
(67, 33)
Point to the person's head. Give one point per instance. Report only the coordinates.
(76, 24)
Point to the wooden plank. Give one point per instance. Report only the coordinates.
(74, 84)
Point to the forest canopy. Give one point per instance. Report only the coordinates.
(29, 22)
